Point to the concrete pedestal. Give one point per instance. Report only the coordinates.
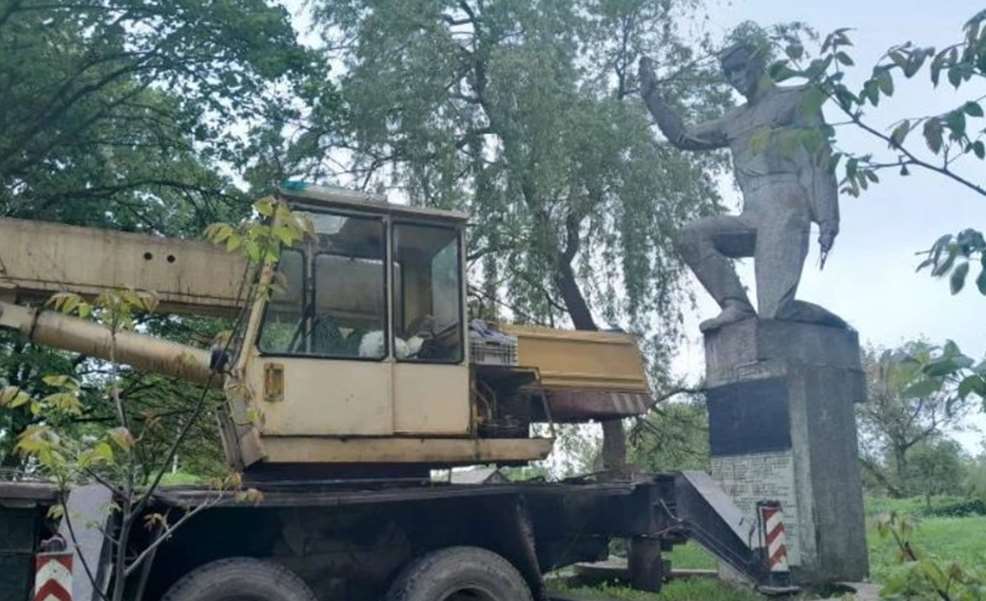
(782, 427)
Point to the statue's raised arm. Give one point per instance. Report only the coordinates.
(704, 136)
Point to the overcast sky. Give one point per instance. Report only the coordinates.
(869, 279)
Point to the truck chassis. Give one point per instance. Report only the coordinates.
(351, 539)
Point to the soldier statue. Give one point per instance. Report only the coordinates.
(784, 190)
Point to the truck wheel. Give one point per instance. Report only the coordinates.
(240, 579)
(460, 574)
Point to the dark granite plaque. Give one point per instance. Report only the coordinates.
(749, 417)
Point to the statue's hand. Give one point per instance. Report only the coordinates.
(648, 81)
(826, 239)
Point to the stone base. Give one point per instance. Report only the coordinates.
(782, 427)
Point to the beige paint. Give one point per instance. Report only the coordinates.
(39, 258)
(145, 353)
(326, 397)
(441, 451)
(431, 399)
(579, 359)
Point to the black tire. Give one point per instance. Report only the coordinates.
(459, 573)
(240, 579)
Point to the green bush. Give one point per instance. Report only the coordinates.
(957, 509)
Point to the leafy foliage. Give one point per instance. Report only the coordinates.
(673, 436)
(120, 111)
(956, 257)
(261, 241)
(948, 136)
(117, 457)
(915, 396)
(923, 575)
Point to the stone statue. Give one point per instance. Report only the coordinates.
(784, 190)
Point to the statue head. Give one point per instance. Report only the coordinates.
(744, 66)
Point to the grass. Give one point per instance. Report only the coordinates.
(692, 556)
(180, 479)
(694, 589)
(961, 539)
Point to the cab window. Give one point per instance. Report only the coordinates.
(427, 294)
(332, 297)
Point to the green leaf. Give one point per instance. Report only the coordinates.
(955, 121)
(957, 281)
(65, 402)
(913, 64)
(981, 280)
(61, 381)
(973, 109)
(812, 101)
(253, 251)
(847, 99)
(844, 59)
(64, 302)
(780, 71)
(885, 81)
(56, 512)
(264, 206)
(103, 451)
(795, 50)
(13, 397)
(233, 243)
(933, 134)
(971, 385)
(899, 134)
(943, 267)
(122, 437)
(922, 388)
(36, 440)
(217, 233)
(979, 149)
(852, 166)
(955, 76)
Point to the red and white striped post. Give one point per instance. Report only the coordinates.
(53, 576)
(772, 530)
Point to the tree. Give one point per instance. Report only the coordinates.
(937, 468)
(673, 436)
(127, 114)
(909, 406)
(524, 115)
(126, 108)
(949, 137)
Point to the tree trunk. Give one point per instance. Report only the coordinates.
(900, 466)
(614, 438)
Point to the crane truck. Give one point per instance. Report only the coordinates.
(366, 377)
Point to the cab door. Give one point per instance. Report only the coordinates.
(324, 344)
(431, 376)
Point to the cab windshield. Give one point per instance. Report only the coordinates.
(331, 299)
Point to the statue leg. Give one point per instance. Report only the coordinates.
(782, 244)
(705, 245)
